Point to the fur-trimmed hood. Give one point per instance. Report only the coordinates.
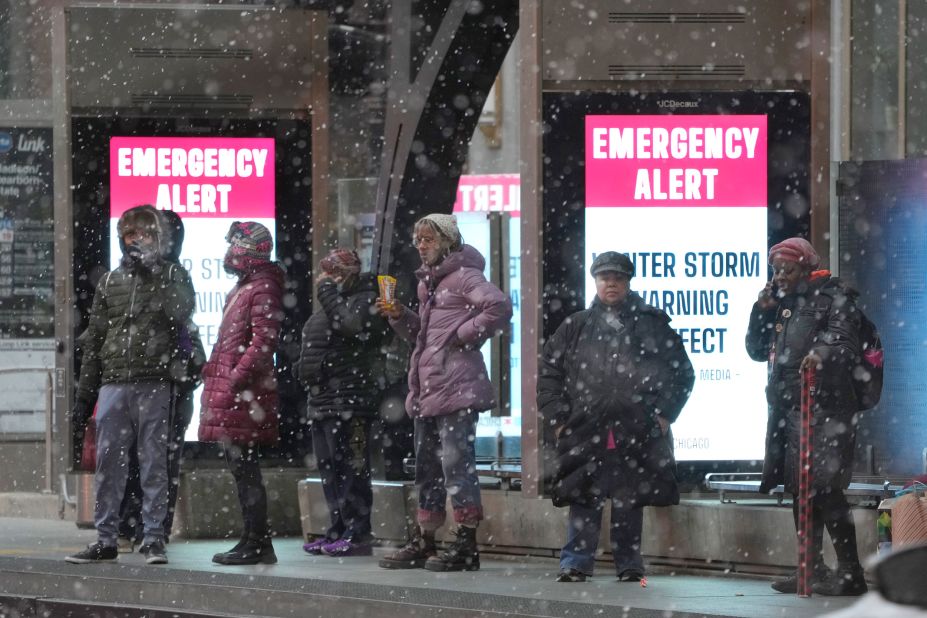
(144, 216)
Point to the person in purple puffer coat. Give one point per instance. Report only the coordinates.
(240, 383)
(459, 310)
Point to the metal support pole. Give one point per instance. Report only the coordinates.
(902, 151)
(820, 58)
(501, 345)
(49, 430)
(532, 242)
(805, 480)
(64, 244)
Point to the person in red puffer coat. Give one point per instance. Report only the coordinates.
(239, 404)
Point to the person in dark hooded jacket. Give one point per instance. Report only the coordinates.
(187, 365)
(239, 402)
(612, 379)
(338, 366)
(129, 346)
(807, 318)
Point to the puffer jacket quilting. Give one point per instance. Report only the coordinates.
(594, 381)
(134, 323)
(459, 310)
(239, 402)
(340, 361)
(823, 318)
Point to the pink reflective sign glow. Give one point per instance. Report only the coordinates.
(489, 193)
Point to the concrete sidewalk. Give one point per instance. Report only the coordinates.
(32, 565)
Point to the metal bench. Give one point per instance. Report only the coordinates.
(507, 470)
(508, 473)
(749, 482)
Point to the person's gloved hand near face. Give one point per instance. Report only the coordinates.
(141, 247)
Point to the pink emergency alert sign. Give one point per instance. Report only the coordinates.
(209, 177)
(654, 160)
(684, 195)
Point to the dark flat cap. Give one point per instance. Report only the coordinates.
(612, 261)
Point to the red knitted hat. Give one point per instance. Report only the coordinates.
(341, 262)
(795, 250)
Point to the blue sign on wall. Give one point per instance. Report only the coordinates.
(882, 234)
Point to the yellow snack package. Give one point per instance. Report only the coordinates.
(387, 289)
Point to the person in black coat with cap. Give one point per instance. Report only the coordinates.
(612, 379)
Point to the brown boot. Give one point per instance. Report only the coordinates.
(414, 554)
(461, 555)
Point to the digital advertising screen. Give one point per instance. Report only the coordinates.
(209, 182)
(695, 188)
(478, 195)
(685, 198)
(881, 234)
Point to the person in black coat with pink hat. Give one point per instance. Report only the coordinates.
(338, 366)
(807, 318)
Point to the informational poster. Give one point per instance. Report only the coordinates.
(685, 197)
(210, 182)
(26, 234)
(477, 196)
(27, 312)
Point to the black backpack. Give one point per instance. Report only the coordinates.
(869, 370)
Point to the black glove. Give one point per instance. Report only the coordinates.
(143, 255)
(80, 416)
(81, 412)
(134, 251)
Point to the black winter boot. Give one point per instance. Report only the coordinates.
(846, 581)
(217, 558)
(414, 554)
(789, 584)
(255, 550)
(461, 555)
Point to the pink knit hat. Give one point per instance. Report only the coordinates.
(795, 250)
(341, 262)
(250, 239)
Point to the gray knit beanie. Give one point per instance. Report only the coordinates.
(447, 224)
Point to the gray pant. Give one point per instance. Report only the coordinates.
(127, 413)
(445, 463)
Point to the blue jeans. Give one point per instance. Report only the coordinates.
(445, 463)
(129, 415)
(583, 538)
(130, 512)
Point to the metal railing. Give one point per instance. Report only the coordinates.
(49, 424)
